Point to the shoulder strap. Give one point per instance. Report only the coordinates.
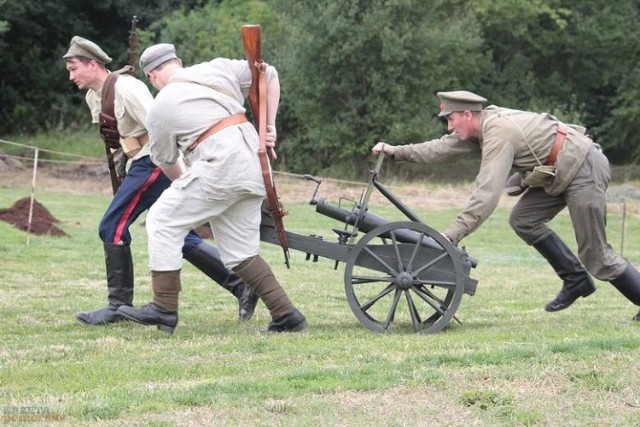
(109, 90)
(109, 94)
(507, 115)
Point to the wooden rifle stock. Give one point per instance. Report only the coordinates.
(251, 40)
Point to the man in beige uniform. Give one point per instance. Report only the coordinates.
(199, 110)
(575, 174)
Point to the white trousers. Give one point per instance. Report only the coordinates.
(235, 222)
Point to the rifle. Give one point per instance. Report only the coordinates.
(133, 44)
(258, 103)
(108, 125)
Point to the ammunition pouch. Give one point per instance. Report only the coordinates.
(539, 176)
(109, 131)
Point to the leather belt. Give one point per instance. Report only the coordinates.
(236, 119)
(132, 145)
(561, 135)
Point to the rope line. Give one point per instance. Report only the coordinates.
(33, 147)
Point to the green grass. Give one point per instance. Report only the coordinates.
(80, 142)
(508, 364)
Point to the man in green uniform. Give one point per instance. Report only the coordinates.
(570, 171)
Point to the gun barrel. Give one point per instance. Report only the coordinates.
(369, 221)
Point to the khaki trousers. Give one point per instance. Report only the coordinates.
(586, 200)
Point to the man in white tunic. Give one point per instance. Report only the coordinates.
(200, 109)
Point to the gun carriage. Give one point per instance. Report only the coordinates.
(398, 275)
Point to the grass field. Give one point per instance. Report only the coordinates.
(509, 363)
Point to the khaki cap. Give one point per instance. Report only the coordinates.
(80, 46)
(156, 55)
(459, 100)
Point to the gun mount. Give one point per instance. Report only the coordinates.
(390, 261)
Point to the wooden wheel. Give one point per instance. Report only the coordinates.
(404, 276)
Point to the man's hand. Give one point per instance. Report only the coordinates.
(271, 136)
(176, 170)
(270, 139)
(383, 146)
(514, 185)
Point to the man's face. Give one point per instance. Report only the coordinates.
(83, 75)
(153, 79)
(462, 124)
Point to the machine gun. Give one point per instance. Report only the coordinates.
(392, 260)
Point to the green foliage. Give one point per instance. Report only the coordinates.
(521, 37)
(355, 71)
(621, 132)
(363, 71)
(214, 30)
(35, 92)
(574, 59)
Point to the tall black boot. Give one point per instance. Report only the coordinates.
(119, 286)
(628, 283)
(206, 258)
(576, 280)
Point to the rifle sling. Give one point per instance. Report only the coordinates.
(108, 122)
(109, 91)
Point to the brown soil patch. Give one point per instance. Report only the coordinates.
(42, 222)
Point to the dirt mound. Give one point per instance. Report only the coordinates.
(42, 222)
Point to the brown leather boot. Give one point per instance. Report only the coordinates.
(163, 310)
(257, 273)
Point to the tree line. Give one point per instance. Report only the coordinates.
(352, 72)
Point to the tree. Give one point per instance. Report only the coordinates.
(35, 93)
(574, 59)
(213, 30)
(358, 71)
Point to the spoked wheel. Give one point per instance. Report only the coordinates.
(404, 276)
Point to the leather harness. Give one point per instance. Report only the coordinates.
(561, 135)
(236, 119)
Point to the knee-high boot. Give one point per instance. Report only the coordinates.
(206, 258)
(628, 283)
(576, 280)
(285, 317)
(163, 310)
(119, 286)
